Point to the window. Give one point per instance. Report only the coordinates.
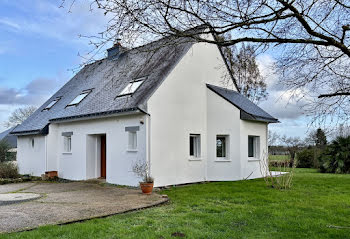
(132, 140)
(221, 146)
(195, 145)
(49, 106)
(32, 142)
(67, 144)
(79, 98)
(131, 87)
(253, 146)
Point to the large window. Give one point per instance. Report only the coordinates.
(221, 146)
(195, 145)
(132, 140)
(253, 146)
(80, 98)
(67, 144)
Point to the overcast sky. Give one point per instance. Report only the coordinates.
(39, 45)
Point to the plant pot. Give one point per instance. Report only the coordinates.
(51, 174)
(146, 188)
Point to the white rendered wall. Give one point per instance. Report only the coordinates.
(223, 119)
(31, 160)
(83, 162)
(251, 168)
(179, 108)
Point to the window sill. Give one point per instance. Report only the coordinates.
(131, 150)
(67, 153)
(195, 159)
(222, 160)
(253, 160)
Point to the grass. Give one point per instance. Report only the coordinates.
(318, 206)
(279, 157)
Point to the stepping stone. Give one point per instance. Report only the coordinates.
(10, 198)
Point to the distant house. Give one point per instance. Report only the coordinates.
(10, 139)
(166, 102)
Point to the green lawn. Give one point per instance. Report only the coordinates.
(318, 206)
(279, 157)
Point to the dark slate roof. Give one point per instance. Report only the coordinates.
(107, 78)
(10, 139)
(249, 110)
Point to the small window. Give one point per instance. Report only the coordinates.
(195, 145)
(32, 142)
(221, 146)
(49, 106)
(132, 140)
(67, 144)
(253, 146)
(131, 87)
(79, 98)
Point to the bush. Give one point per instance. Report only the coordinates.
(308, 158)
(280, 163)
(8, 170)
(336, 156)
(4, 148)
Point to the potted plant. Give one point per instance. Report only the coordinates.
(141, 169)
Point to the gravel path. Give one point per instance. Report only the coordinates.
(69, 202)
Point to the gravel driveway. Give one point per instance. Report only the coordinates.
(69, 202)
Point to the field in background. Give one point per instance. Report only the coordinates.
(279, 157)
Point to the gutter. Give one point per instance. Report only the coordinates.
(99, 115)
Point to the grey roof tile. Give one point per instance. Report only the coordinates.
(107, 78)
(250, 110)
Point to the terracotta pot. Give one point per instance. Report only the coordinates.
(51, 174)
(146, 188)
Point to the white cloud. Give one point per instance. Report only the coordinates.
(10, 24)
(281, 103)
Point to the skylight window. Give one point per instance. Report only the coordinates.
(49, 106)
(79, 98)
(131, 87)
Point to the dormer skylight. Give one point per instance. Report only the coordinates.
(52, 103)
(80, 98)
(132, 87)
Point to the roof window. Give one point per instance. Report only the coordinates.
(132, 87)
(49, 106)
(80, 98)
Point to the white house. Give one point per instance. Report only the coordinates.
(164, 103)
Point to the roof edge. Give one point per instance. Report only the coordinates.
(98, 115)
(245, 115)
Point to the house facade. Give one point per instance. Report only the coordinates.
(175, 106)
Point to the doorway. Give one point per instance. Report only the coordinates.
(103, 156)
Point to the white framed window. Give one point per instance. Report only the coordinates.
(32, 142)
(222, 144)
(195, 145)
(80, 98)
(132, 87)
(52, 103)
(132, 141)
(253, 146)
(67, 144)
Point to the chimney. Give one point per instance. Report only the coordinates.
(115, 51)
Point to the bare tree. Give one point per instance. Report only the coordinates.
(245, 70)
(311, 37)
(19, 115)
(293, 145)
(273, 138)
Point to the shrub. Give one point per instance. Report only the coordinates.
(4, 148)
(308, 158)
(8, 170)
(280, 163)
(336, 156)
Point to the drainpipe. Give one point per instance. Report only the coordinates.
(148, 141)
(46, 154)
